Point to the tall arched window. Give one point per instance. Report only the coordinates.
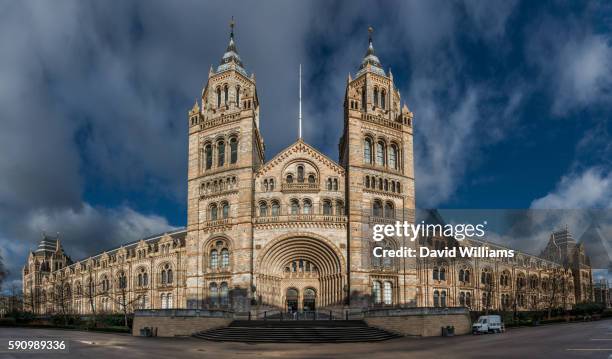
(300, 174)
(307, 206)
(220, 153)
(327, 207)
(263, 209)
(289, 178)
(376, 292)
(224, 258)
(380, 153)
(364, 97)
(213, 293)
(213, 212)
(237, 95)
(275, 208)
(226, 94)
(122, 281)
(393, 156)
(166, 274)
(295, 206)
(389, 212)
(233, 150)
(208, 156)
(225, 207)
(388, 293)
(214, 259)
(218, 97)
(339, 208)
(224, 293)
(367, 151)
(443, 298)
(436, 298)
(383, 99)
(375, 96)
(335, 184)
(367, 181)
(311, 179)
(377, 210)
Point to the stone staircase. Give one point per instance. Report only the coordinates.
(296, 331)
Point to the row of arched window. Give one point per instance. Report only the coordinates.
(218, 151)
(382, 292)
(166, 301)
(381, 154)
(218, 185)
(439, 298)
(381, 184)
(332, 184)
(300, 265)
(218, 211)
(301, 177)
(387, 212)
(268, 185)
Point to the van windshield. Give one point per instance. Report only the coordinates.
(482, 320)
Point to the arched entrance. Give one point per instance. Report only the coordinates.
(309, 302)
(291, 299)
(308, 271)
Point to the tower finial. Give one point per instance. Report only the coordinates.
(300, 105)
(370, 31)
(232, 24)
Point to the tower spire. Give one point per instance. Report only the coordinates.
(231, 59)
(300, 105)
(370, 60)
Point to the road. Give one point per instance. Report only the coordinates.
(576, 340)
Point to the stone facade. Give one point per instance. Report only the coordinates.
(294, 232)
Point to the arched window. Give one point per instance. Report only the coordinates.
(218, 97)
(367, 181)
(436, 298)
(214, 259)
(224, 293)
(389, 212)
(213, 293)
(383, 99)
(237, 95)
(468, 299)
(226, 94)
(386, 184)
(300, 174)
(225, 207)
(329, 184)
(462, 298)
(327, 207)
(375, 96)
(443, 298)
(233, 150)
(339, 208)
(311, 179)
(367, 151)
(122, 281)
(265, 185)
(436, 273)
(377, 210)
(380, 153)
(442, 273)
(388, 293)
(271, 184)
(213, 212)
(208, 155)
(376, 292)
(307, 206)
(295, 206)
(224, 258)
(364, 97)
(289, 178)
(335, 184)
(393, 156)
(275, 208)
(220, 153)
(263, 209)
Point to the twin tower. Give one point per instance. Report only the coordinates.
(293, 232)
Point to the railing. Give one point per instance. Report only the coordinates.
(381, 121)
(183, 313)
(278, 315)
(300, 187)
(217, 222)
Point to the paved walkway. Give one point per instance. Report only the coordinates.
(576, 340)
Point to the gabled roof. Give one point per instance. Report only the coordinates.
(303, 147)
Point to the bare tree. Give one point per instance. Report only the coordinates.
(122, 299)
(91, 293)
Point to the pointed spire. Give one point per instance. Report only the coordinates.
(370, 60)
(231, 59)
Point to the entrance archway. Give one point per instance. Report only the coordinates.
(310, 297)
(308, 264)
(292, 297)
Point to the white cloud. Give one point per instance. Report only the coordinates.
(589, 189)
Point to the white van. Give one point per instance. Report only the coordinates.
(488, 324)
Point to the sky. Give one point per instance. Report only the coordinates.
(512, 103)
